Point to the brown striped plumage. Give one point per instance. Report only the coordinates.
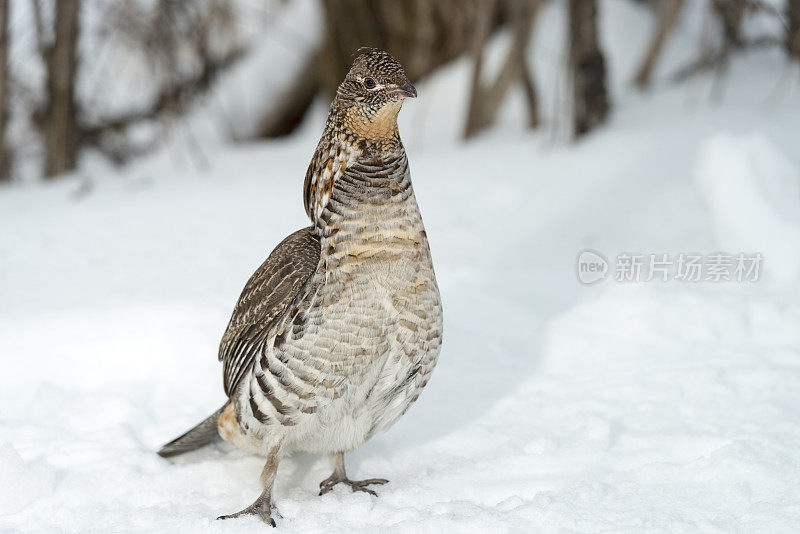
(336, 334)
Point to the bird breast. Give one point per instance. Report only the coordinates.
(363, 339)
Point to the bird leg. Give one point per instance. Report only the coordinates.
(339, 475)
(263, 505)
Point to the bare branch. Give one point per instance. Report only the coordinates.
(173, 100)
(667, 17)
(717, 59)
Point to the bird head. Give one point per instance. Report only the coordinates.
(372, 93)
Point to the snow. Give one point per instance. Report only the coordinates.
(556, 406)
(746, 179)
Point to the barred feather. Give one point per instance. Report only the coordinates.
(264, 299)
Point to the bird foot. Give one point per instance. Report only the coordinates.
(262, 507)
(356, 485)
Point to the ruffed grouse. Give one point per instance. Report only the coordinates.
(336, 334)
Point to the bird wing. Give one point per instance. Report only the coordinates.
(263, 302)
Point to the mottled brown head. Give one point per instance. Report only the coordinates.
(370, 97)
(362, 123)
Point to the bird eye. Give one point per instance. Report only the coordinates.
(369, 83)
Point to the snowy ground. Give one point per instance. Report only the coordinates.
(556, 407)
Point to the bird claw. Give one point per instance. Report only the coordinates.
(355, 485)
(263, 509)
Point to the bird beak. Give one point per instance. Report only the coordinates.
(406, 91)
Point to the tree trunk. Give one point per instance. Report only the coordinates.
(5, 155)
(731, 13)
(793, 28)
(587, 68)
(476, 114)
(61, 130)
(284, 118)
(422, 35)
(485, 100)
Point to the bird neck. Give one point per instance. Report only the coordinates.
(349, 179)
(378, 128)
(361, 152)
(372, 130)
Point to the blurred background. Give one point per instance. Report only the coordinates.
(152, 153)
(90, 79)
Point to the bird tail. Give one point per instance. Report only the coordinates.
(197, 437)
